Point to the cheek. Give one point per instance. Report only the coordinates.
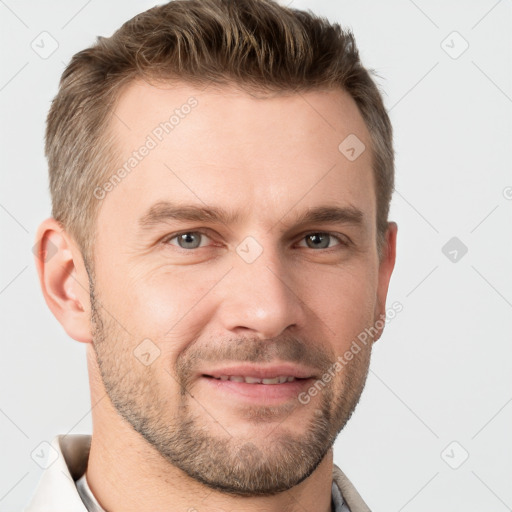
(170, 306)
(345, 302)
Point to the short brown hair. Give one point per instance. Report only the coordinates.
(256, 44)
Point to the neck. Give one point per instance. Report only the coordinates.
(126, 473)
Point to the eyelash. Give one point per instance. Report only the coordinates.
(342, 241)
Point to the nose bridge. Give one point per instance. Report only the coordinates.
(259, 294)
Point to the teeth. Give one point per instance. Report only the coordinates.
(255, 380)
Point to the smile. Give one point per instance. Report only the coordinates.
(256, 380)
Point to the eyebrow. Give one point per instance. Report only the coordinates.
(163, 211)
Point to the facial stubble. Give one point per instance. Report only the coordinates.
(227, 463)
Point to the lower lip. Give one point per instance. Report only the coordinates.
(268, 393)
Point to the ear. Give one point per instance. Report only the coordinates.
(63, 278)
(386, 266)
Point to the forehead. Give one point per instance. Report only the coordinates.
(260, 156)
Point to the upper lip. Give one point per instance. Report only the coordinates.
(261, 372)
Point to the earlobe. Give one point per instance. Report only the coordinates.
(63, 279)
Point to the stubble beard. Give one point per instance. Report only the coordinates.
(226, 463)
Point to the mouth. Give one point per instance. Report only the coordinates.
(281, 379)
(259, 384)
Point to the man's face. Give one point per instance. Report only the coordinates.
(190, 313)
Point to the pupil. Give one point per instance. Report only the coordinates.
(188, 239)
(319, 240)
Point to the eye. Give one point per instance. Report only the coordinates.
(187, 240)
(322, 240)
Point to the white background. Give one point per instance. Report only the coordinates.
(441, 372)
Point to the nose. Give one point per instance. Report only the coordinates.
(261, 298)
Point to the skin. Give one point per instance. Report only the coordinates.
(268, 159)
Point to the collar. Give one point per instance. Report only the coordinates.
(56, 490)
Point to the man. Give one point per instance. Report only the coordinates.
(221, 173)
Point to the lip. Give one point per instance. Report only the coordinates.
(263, 394)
